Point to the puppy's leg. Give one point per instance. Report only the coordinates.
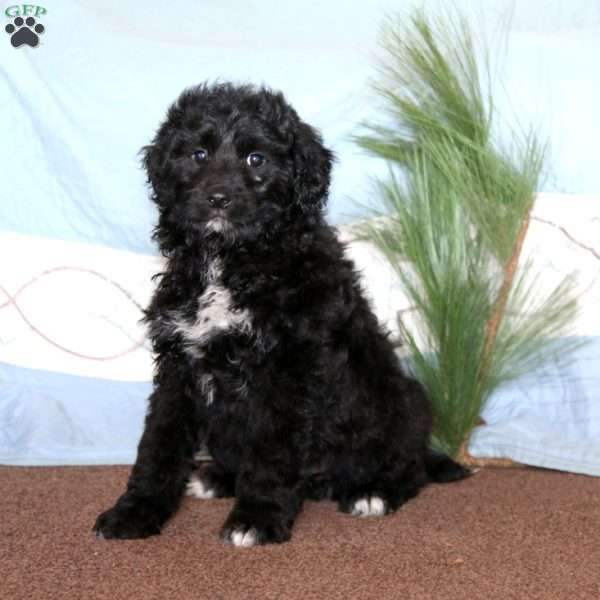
(266, 506)
(267, 487)
(384, 467)
(163, 464)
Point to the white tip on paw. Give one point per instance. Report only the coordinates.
(241, 537)
(197, 489)
(372, 506)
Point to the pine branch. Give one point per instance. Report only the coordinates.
(495, 320)
(457, 222)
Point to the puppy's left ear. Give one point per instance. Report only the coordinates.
(152, 161)
(312, 168)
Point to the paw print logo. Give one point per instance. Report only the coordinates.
(24, 32)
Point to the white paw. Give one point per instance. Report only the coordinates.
(241, 537)
(369, 506)
(197, 489)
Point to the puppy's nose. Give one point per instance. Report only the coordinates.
(219, 200)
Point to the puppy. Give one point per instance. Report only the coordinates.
(267, 351)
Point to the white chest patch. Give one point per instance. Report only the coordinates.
(215, 313)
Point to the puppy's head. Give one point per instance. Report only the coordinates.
(230, 161)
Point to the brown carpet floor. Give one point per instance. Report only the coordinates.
(515, 533)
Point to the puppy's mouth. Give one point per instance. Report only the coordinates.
(218, 221)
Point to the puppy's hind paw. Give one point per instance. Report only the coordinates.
(369, 506)
(210, 482)
(198, 488)
(366, 505)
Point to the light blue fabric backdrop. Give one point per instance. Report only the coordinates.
(75, 110)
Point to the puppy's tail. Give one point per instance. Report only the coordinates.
(442, 469)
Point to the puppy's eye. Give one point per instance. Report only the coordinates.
(255, 159)
(200, 155)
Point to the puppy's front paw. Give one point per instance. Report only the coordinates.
(126, 521)
(240, 536)
(245, 529)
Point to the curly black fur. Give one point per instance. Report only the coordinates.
(266, 349)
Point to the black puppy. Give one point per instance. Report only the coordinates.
(266, 350)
